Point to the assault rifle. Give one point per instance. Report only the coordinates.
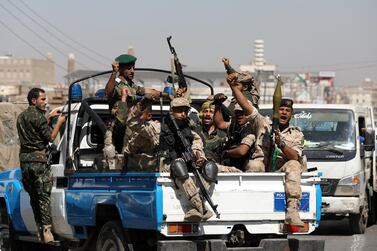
(189, 158)
(178, 67)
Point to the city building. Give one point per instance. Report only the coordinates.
(364, 94)
(26, 71)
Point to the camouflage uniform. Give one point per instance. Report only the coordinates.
(252, 94)
(141, 150)
(119, 110)
(293, 138)
(214, 143)
(261, 127)
(238, 135)
(34, 134)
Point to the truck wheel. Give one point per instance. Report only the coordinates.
(112, 237)
(372, 212)
(7, 242)
(358, 222)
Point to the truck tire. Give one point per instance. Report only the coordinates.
(112, 237)
(372, 212)
(7, 241)
(358, 222)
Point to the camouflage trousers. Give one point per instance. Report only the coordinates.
(37, 181)
(292, 170)
(188, 186)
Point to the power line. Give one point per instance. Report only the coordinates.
(64, 34)
(53, 35)
(40, 37)
(31, 46)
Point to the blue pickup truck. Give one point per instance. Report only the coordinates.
(97, 208)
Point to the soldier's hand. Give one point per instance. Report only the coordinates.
(277, 137)
(61, 119)
(219, 98)
(200, 162)
(115, 66)
(124, 94)
(226, 61)
(181, 91)
(54, 113)
(232, 78)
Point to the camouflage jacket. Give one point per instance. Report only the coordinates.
(34, 134)
(213, 143)
(120, 109)
(294, 138)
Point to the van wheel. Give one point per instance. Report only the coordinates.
(112, 238)
(358, 222)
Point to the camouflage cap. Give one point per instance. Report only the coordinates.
(245, 78)
(178, 102)
(239, 108)
(207, 104)
(286, 102)
(126, 59)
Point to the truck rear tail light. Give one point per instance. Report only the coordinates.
(296, 229)
(182, 228)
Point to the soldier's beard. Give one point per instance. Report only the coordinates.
(182, 123)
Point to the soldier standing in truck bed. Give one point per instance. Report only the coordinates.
(121, 80)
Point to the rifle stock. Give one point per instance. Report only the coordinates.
(189, 157)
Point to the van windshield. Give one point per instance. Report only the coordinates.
(328, 133)
(326, 129)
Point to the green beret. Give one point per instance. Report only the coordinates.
(286, 102)
(126, 59)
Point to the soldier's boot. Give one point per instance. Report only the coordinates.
(207, 214)
(292, 217)
(47, 235)
(195, 212)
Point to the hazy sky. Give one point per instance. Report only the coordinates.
(299, 35)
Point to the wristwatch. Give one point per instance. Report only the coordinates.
(282, 145)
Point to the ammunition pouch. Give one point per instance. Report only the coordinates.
(178, 169)
(210, 171)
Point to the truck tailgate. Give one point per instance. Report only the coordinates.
(247, 198)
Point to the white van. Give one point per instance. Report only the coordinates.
(340, 142)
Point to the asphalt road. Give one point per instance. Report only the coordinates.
(337, 236)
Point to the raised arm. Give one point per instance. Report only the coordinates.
(111, 82)
(247, 107)
(218, 119)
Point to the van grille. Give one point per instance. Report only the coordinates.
(328, 186)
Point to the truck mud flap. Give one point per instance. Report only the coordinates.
(265, 244)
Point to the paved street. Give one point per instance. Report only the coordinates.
(338, 237)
